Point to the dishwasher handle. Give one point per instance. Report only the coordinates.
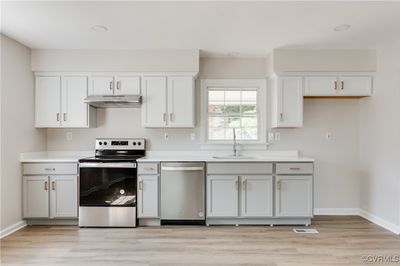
(182, 168)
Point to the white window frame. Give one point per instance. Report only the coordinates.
(260, 85)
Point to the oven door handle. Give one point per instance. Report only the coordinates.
(107, 165)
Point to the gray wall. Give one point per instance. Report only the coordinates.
(336, 180)
(18, 133)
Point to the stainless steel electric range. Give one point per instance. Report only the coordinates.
(107, 184)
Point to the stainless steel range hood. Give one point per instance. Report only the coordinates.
(114, 101)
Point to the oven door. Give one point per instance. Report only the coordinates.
(107, 184)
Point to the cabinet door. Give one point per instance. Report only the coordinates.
(63, 196)
(321, 86)
(355, 86)
(127, 85)
(222, 196)
(148, 196)
(47, 101)
(36, 196)
(74, 110)
(289, 102)
(154, 107)
(101, 85)
(294, 196)
(256, 196)
(180, 102)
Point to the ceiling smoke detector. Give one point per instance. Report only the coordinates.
(343, 27)
(99, 28)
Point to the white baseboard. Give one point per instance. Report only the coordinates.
(379, 221)
(336, 211)
(12, 228)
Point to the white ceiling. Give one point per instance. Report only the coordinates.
(216, 28)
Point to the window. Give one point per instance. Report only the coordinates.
(229, 105)
(232, 108)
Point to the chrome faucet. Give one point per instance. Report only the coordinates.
(234, 143)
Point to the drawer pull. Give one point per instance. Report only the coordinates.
(50, 169)
(295, 168)
(149, 168)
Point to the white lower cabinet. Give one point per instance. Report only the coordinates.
(50, 196)
(147, 196)
(36, 196)
(222, 196)
(256, 196)
(293, 196)
(254, 192)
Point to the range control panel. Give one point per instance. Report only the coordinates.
(120, 144)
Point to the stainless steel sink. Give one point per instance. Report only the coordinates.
(237, 157)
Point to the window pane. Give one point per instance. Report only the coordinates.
(233, 122)
(217, 109)
(249, 97)
(249, 109)
(250, 121)
(216, 122)
(249, 133)
(216, 97)
(232, 109)
(232, 97)
(216, 133)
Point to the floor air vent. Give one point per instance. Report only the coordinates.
(306, 231)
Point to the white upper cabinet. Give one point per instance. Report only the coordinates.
(180, 102)
(322, 86)
(74, 112)
(335, 86)
(154, 108)
(101, 85)
(168, 102)
(47, 101)
(127, 85)
(59, 102)
(287, 102)
(355, 86)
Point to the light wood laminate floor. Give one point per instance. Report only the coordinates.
(341, 241)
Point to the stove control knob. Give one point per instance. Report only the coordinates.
(105, 142)
(100, 143)
(139, 143)
(134, 143)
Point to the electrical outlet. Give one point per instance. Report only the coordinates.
(328, 135)
(166, 136)
(277, 136)
(192, 136)
(271, 136)
(69, 136)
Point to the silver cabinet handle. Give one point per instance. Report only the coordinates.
(278, 185)
(244, 184)
(342, 85)
(149, 168)
(50, 169)
(294, 168)
(111, 85)
(237, 184)
(65, 116)
(171, 116)
(281, 116)
(118, 85)
(58, 117)
(335, 85)
(46, 187)
(140, 184)
(53, 185)
(164, 117)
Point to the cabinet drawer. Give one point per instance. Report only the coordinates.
(50, 169)
(239, 168)
(148, 168)
(294, 168)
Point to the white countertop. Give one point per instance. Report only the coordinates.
(168, 156)
(54, 156)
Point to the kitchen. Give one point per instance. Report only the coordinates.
(273, 138)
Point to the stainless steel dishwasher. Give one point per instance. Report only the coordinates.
(182, 193)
